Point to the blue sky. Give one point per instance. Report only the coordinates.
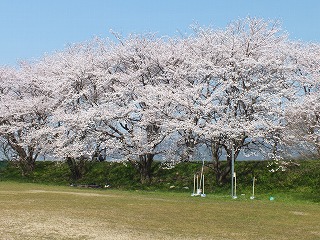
(31, 28)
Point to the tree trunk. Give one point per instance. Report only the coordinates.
(190, 143)
(222, 172)
(76, 168)
(26, 156)
(27, 165)
(145, 167)
(216, 162)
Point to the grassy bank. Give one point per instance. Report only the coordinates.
(301, 180)
(35, 211)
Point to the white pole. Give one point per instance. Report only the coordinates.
(203, 185)
(197, 183)
(201, 172)
(235, 185)
(232, 171)
(253, 181)
(194, 184)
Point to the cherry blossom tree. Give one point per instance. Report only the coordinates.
(145, 97)
(146, 61)
(303, 125)
(140, 77)
(25, 109)
(109, 100)
(80, 77)
(302, 116)
(239, 81)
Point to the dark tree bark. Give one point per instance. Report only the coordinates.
(77, 167)
(26, 156)
(144, 167)
(223, 171)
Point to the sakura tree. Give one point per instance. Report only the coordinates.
(25, 108)
(108, 97)
(302, 116)
(140, 78)
(146, 97)
(239, 81)
(303, 139)
(80, 77)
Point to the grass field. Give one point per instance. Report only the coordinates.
(33, 211)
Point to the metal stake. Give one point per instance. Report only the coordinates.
(233, 175)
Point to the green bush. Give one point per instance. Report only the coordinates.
(303, 177)
(51, 172)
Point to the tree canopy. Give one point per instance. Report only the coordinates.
(247, 87)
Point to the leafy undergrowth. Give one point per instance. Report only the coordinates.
(300, 181)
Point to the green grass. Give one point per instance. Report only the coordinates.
(35, 211)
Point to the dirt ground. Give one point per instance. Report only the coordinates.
(17, 222)
(31, 211)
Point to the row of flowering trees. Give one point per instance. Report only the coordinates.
(246, 87)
